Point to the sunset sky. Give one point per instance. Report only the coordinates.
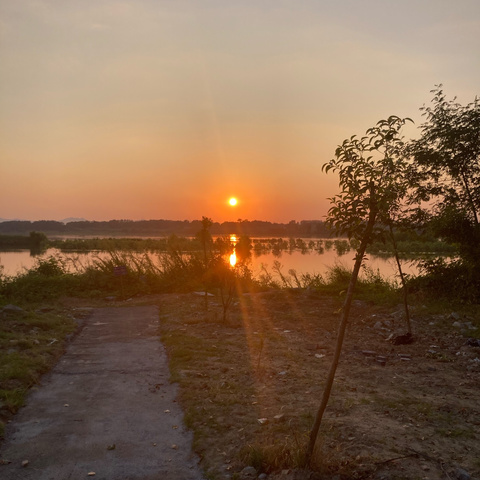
(151, 109)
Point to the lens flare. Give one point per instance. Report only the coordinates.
(233, 259)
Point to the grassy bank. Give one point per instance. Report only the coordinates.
(30, 344)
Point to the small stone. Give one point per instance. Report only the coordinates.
(279, 418)
(175, 447)
(399, 313)
(457, 325)
(461, 474)
(262, 476)
(262, 421)
(91, 474)
(403, 339)
(25, 463)
(378, 326)
(111, 447)
(12, 309)
(44, 309)
(319, 355)
(381, 360)
(248, 472)
(83, 312)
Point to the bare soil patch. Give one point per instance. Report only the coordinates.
(250, 387)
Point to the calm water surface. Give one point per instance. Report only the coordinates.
(311, 262)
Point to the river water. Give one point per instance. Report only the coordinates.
(15, 262)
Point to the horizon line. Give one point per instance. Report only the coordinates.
(77, 220)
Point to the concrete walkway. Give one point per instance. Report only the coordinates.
(106, 411)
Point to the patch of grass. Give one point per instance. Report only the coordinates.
(274, 454)
(409, 405)
(30, 343)
(13, 399)
(371, 286)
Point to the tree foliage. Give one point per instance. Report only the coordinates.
(447, 162)
(447, 156)
(373, 170)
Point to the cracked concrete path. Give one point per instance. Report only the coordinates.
(106, 408)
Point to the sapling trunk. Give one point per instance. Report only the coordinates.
(402, 279)
(341, 330)
(205, 262)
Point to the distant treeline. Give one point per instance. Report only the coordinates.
(156, 228)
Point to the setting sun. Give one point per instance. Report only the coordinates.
(233, 201)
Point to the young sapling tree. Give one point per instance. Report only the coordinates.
(373, 180)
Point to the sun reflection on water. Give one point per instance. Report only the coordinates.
(233, 256)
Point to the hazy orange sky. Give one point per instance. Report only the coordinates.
(150, 109)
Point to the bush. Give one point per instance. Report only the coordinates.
(456, 280)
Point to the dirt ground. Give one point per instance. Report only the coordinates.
(396, 412)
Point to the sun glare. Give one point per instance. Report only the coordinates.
(233, 201)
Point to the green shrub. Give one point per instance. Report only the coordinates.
(456, 280)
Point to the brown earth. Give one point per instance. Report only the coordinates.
(415, 413)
